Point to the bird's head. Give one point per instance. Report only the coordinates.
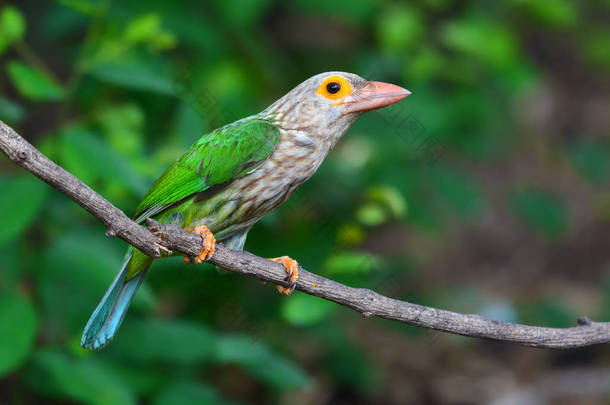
(328, 103)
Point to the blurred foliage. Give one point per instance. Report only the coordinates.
(499, 159)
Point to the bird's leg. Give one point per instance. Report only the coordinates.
(209, 244)
(292, 268)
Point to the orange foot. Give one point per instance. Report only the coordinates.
(292, 268)
(209, 243)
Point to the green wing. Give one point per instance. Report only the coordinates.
(219, 157)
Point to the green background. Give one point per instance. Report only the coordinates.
(485, 191)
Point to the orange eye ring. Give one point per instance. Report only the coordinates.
(334, 88)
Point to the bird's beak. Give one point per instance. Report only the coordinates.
(374, 95)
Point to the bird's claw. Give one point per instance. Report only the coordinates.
(208, 247)
(292, 270)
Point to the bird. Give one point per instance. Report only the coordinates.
(235, 175)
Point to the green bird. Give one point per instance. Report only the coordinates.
(235, 175)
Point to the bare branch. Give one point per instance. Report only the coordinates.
(159, 237)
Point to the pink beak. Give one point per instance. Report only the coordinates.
(374, 95)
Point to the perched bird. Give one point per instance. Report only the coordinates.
(237, 174)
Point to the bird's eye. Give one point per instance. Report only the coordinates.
(333, 87)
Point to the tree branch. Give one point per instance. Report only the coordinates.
(157, 238)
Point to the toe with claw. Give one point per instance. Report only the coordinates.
(209, 244)
(292, 268)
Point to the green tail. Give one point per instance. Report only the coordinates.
(111, 310)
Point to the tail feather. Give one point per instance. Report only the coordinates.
(109, 314)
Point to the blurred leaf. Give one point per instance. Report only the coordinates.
(18, 324)
(425, 64)
(305, 310)
(82, 380)
(498, 49)
(140, 377)
(88, 158)
(11, 265)
(83, 6)
(122, 126)
(596, 42)
(371, 214)
(22, 199)
(559, 13)
(189, 125)
(250, 12)
(351, 263)
(76, 269)
(390, 197)
(186, 343)
(12, 26)
(143, 27)
(541, 210)
(165, 340)
(134, 74)
(350, 234)
(147, 28)
(399, 29)
(550, 311)
(270, 367)
(11, 111)
(592, 159)
(183, 392)
(32, 83)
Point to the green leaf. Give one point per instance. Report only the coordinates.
(77, 267)
(147, 28)
(183, 392)
(122, 126)
(390, 197)
(12, 24)
(250, 12)
(22, 199)
(351, 263)
(11, 111)
(83, 6)
(85, 155)
(18, 324)
(83, 380)
(371, 214)
(259, 361)
(558, 13)
(137, 75)
(550, 311)
(11, 265)
(164, 340)
(541, 211)
(498, 49)
(33, 83)
(595, 43)
(143, 27)
(592, 159)
(304, 309)
(425, 64)
(399, 29)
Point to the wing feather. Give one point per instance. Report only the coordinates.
(219, 157)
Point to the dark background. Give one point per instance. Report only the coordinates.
(485, 191)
